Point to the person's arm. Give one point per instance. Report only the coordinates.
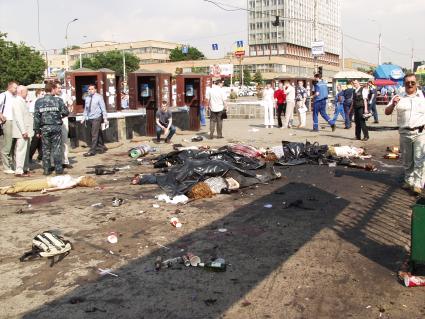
(63, 108)
(390, 107)
(103, 109)
(85, 111)
(2, 105)
(18, 118)
(37, 118)
(55, 189)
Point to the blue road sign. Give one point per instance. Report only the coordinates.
(215, 46)
(185, 49)
(239, 44)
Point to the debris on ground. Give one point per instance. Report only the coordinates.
(179, 199)
(175, 222)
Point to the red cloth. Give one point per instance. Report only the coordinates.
(280, 96)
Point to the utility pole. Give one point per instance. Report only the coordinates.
(123, 70)
(316, 31)
(342, 50)
(379, 48)
(412, 65)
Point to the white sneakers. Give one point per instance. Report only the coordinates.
(8, 171)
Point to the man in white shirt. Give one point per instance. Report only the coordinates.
(6, 118)
(22, 131)
(217, 104)
(410, 107)
(290, 104)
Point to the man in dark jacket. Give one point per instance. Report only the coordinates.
(48, 114)
(348, 100)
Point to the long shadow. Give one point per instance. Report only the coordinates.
(258, 241)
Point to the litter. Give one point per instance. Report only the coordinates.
(197, 138)
(413, 281)
(179, 199)
(97, 205)
(112, 237)
(392, 156)
(155, 206)
(117, 202)
(162, 246)
(140, 151)
(268, 206)
(222, 230)
(104, 272)
(175, 222)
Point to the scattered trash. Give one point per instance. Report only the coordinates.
(172, 261)
(117, 202)
(194, 261)
(246, 303)
(179, 199)
(140, 151)
(197, 138)
(97, 205)
(368, 307)
(393, 149)
(210, 302)
(268, 206)
(94, 309)
(333, 164)
(155, 206)
(218, 265)
(158, 263)
(76, 300)
(162, 246)
(112, 237)
(413, 281)
(104, 272)
(392, 156)
(346, 151)
(222, 230)
(175, 222)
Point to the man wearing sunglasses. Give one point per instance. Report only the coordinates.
(410, 107)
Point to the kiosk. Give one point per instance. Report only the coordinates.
(147, 90)
(191, 92)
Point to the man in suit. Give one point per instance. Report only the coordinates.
(22, 131)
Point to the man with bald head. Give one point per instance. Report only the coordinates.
(22, 131)
(6, 119)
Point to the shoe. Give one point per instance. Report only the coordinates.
(358, 138)
(417, 190)
(333, 127)
(315, 130)
(406, 186)
(9, 171)
(365, 139)
(211, 136)
(167, 141)
(376, 122)
(220, 137)
(89, 154)
(157, 141)
(22, 175)
(67, 166)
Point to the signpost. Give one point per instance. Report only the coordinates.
(317, 48)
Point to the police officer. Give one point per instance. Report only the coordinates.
(359, 107)
(320, 101)
(348, 100)
(48, 114)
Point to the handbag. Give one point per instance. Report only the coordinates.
(224, 115)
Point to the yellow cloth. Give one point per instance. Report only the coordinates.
(34, 185)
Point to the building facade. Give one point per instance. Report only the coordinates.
(355, 64)
(149, 51)
(296, 30)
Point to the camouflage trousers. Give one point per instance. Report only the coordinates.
(51, 143)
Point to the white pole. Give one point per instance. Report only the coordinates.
(379, 48)
(81, 60)
(66, 43)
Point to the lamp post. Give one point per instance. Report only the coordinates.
(379, 40)
(66, 42)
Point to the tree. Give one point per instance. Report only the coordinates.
(258, 77)
(19, 62)
(246, 77)
(192, 54)
(111, 60)
(72, 47)
(369, 70)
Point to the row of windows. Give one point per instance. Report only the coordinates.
(270, 14)
(151, 50)
(265, 3)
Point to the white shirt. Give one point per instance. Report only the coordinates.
(217, 98)
(410, 110)
(8, 106)
(62, 181)
(268, 95)
(290, 93)
(365, 92)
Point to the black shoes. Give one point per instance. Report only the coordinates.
(88, 154)
(333, 127)
(365, 139)
(67, 166)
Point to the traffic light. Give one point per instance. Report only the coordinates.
(275, 23)
(320, 70)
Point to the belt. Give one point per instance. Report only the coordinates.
(418, 128)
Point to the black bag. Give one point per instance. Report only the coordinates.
(224, 115)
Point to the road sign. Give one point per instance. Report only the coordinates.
(215, 46)
(317, 48)
(240, 53)
(239, 44)
(185, 49)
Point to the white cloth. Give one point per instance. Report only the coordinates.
(410, 110)
(179, 199)
(290, 94)
(62, 181)
(217, 98)
(7, 112)
(268, 104)
(301, 110)
(23, 120)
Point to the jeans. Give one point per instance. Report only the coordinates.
(373, 110)
(347, 115)
(215, 119)
(202, 114)
(412, 146)
(171, 132)
(339, 109)
(320, 107)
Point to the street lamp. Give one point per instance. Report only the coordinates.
(66, 42)
(379, 40)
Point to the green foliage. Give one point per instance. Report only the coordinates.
(111, 60)
(258, 77)
(246, 77)
(72, 47)
(192, 54)
(19, 62)
(369, 70)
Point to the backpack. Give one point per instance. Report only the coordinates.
(48, 245)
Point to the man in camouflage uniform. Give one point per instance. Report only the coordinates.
(48, 114)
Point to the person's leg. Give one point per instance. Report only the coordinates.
(341, 110)
(303, 118)
(219, 125)
(289, 113)
(27, 157)
(347, 115)
(95, 128)
(171, 132)
(45, 141)
(406, 148)
(33, 146)
(316, 115)
(56, 144)
(298, 106)
(213, 120)
(419, 159)
(158, 133)
(323, 113)
(20, 153)
(374, 111)
(364, 128)
(6, 152)
(266, 114)
(279, 115)
(357, 114)
(65, 140)
(271, 114)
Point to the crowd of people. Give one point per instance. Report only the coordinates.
(41, 125)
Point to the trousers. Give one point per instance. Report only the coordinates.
(412, 146)
(290, 106)
(320, 107)
(268, 113)
(22, 147)
(216, 120)
(96, 135)
(339, 109)
(36, 146)
(301, 111)
(51, 140)
(7, 151)
(281, 108)
(360, 123)
(171, 132)
(347, 115)
(372, 108)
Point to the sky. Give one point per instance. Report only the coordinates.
(199, 23)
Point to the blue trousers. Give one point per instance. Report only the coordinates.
(374, 111)
(171, 132)
(202, 113)
(320, 107)
(348, 119)
(339, 109)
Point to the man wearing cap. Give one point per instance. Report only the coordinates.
(410, 106)
(164, 123)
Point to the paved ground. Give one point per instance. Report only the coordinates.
(336, 256)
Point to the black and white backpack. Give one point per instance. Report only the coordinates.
(48, 245)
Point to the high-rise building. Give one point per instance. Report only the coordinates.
(293, 38)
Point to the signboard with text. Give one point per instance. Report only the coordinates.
(218, 70)
(317, 48)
